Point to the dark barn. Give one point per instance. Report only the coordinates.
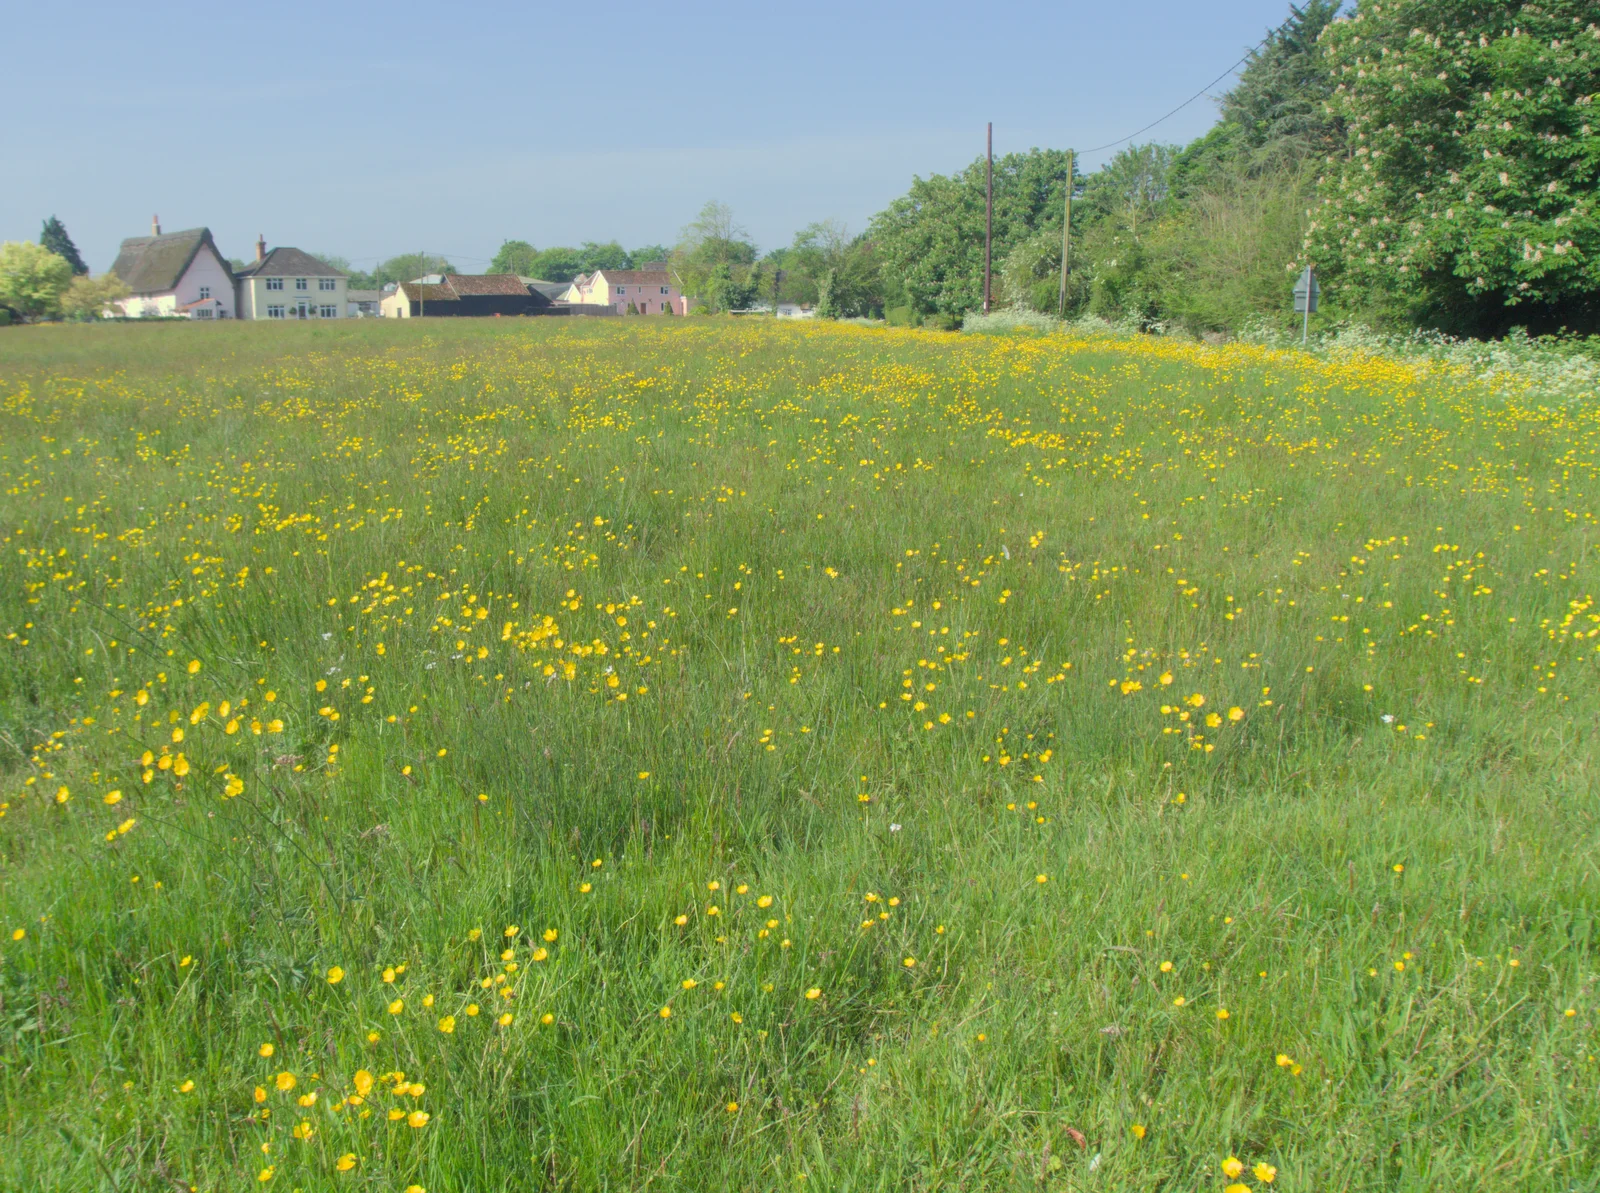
(476, 295)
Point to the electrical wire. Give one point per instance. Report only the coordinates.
(1252, 50)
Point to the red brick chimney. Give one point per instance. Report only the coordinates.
(261, 248)
(155, 225)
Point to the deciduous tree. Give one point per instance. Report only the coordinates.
(90, 298)
(931, 239)
(1464, 194)
(515, 257)
(32, 279)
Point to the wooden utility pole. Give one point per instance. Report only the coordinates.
(1066, 238)
(988, 217)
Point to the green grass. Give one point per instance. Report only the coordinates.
(779, 542)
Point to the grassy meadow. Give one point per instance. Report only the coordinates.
(701, 755)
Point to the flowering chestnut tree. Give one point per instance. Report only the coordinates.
(1467, 179)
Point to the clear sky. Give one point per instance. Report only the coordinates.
(373, 129)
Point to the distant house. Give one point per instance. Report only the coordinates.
(647, 291)
(175, 275)
(363, 304)
(460, 294)
(289, 284)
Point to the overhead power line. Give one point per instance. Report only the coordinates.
(1195, 96)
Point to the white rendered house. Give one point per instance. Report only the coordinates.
(289, 284)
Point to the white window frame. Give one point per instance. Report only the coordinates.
(275, 311)
(203, 313)
(327, 284)
(327, 312)
(665, 289)
(274, 283)
(205, 293)
(300, 284)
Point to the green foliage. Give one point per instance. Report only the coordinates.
(827, 303)
(715, 258)
(932, 238)
(32, 279)
(90, 298)
(609, 255)
(824, 256)
(1277, 110)
(405, 268)
(1227, 256)
(54, 237)
(1465, 192)
(515, 257)
(557, 265)
(726, 290)
(1131, 190)
(649, 254)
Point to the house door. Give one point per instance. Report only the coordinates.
(300, 311)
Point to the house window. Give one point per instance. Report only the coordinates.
(205, 293)
(328, 312)
(663, 289)
(299, 283)
(325, 284)
(275, 312)
(203, 313)
(274, 283)
(622, 289)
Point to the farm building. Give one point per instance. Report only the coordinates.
(469, 295)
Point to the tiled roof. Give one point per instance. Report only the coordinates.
(281, 263)
(363, 295)
(486, 283)
(636, 277)
(149, 264)
(422, 292)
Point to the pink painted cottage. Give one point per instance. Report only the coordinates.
(176, 274)
(646, 291)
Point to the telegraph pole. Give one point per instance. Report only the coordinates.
(1066, 237)
(988, 217)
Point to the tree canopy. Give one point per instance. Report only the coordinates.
(32, 279)
(514, 256)
(89, 298)
(1464, 192)
(54, 237)
(931, 239)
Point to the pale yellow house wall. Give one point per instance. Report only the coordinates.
(255, 298)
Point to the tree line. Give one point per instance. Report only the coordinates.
(1437, 161)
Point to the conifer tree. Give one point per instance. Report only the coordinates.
(54, 237)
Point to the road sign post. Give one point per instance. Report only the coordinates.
(1306, 291)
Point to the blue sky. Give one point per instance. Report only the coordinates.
(372, 129)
